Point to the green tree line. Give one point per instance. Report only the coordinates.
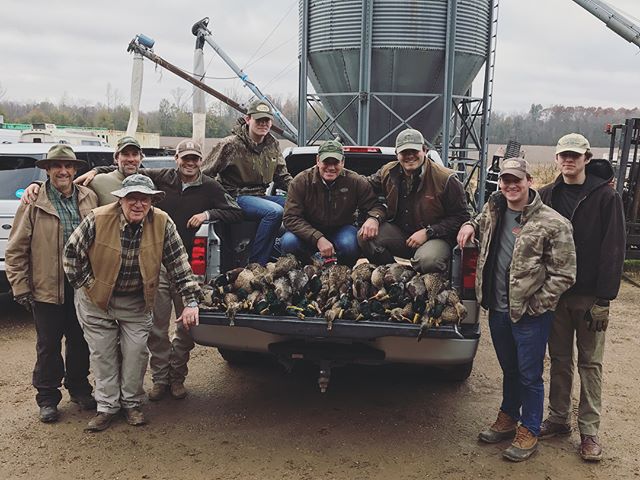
(544, 125)
(539, 126)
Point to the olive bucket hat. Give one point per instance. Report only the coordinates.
(138, 184)
(60, 153)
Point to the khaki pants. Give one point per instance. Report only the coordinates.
(432, 256)
(169, 358)
(569, 320)
(117, 342)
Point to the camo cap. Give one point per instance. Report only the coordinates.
(138, 183)
(60, 153)
(573, 142)
(188, 147)
(409, 139)
(518, 167)
(260, 109)
(125, 141)
(331, 149)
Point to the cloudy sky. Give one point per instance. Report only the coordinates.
(549, 51)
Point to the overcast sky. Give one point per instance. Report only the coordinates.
(549, 51)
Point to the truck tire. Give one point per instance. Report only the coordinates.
(458, 373)
(239, 357)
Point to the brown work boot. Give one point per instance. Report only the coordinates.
(158, 391)
(550, 429)
(524, 445)
(590, 448)
(178, 391)
(134, 416)
(504, 428)
(100, 422)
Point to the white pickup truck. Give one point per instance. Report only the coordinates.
(251, 337)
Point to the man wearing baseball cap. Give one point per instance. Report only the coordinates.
(113, 260)
(127, 157)
(426, 205)
(246, 163)
(596, 213)
(524, 266)
(34, 269)
(320, 209)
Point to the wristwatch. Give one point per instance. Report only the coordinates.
(192, 304)
(429, 231)
(375, 217)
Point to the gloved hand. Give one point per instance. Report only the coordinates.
(26, 300)
(597, 316)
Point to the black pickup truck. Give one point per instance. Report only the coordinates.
(366, 342)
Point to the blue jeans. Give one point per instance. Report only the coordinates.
(268, 211)
(520, 348)
(344, 239)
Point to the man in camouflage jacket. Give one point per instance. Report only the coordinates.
(527, 260)
(245, 163)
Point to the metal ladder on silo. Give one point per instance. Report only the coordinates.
(488, 101)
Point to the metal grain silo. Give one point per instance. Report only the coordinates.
(379, 65)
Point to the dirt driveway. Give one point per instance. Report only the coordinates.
(260, 423)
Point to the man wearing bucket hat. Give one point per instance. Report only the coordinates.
(527, 260)
(246, 163)
(320, 208)
(34, 269)
(596, 213)
(113, 260)
(426, 205)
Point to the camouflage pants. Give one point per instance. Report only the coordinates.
(570, 322)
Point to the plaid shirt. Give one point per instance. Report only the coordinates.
(174, 258)
(67, 208)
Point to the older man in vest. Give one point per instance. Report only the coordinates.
(113, 260)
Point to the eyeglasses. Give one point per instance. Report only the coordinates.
(141, 201)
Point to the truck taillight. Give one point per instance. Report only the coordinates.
(469, 263)
(361, 149)
(199, 256)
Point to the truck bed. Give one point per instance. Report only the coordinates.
(361, 342)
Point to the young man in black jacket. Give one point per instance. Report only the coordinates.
(596, 213)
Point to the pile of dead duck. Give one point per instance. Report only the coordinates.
(393, 292)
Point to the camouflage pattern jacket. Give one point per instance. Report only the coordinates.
(244, 167)
(543, 265)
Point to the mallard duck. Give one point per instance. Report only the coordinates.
(377, 276)
(361, 279)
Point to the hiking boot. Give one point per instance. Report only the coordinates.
(590, 448)
(550, 429)
(85, 402)
(158, 391)
(100, 422)
(524, 445)
(49, 414)
(178, 391)
(134, 416)
(504, 428)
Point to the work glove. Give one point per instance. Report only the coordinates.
(597, 316)
(26, 300)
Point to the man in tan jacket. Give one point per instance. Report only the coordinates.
(34, 269)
